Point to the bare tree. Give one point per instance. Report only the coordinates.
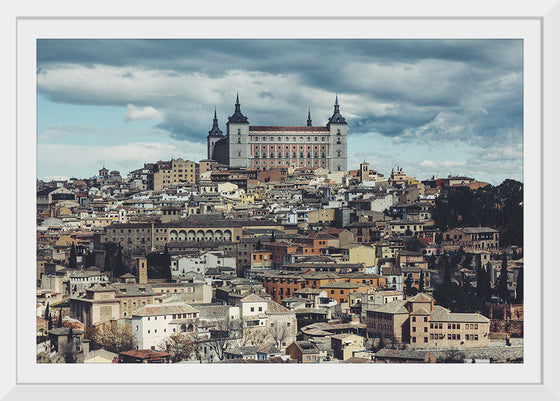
(223, 336)
(113, 337)
(279, 333)
(254, 336)
(181, 346)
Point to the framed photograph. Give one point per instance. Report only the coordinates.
(473, 61)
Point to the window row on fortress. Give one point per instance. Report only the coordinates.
(293, 139)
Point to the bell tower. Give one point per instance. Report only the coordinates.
(214, 135)
(238, 137)
(338, 131)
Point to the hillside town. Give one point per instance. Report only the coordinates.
(279, 265)
(286, 261)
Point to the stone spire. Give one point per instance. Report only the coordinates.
(309, 118)
(237, 116)
(336, 117)
(215, 131)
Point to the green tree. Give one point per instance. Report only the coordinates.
(166, 264)
(421, 282)
(72, 263)
(519, 290)
(118, 268)
(483, 288)
(503, 291)
(59, 325)
(107, 263)
(408, 285)
(446, 271)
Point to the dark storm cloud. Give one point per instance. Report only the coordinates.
(467, 90)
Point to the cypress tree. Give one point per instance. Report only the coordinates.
(503, 291)
(59, 325)
(166, 264)
(72, 263)
(47, 311)
(519, 290)
(107, 263)
(408, 284)
(421, 282)
(118, 268)
(446, 271)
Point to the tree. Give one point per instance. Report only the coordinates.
(258, 245)
(519, 290)
(467, 261)
(483, 287)
(90, 259)
(107, 263)
(503, 291)
(166, 264)
(255, 336)
(118, 268)
(408, 285)
(452, 356)
(273, 237)
(59, 318)
(421, 282)
(72, 263)
(48, 317)
(279, 333)
(224, 336)
(446, 271)
(180, 346)
(69, 350)
(113, 337)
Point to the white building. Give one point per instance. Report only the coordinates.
(152, 324)
(182, 265)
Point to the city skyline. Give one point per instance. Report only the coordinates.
(434, 107)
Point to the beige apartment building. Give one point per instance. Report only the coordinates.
(178, 171)
(419, 322)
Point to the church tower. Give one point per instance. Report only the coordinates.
(339, 132)
(238, 138)
(214, 135)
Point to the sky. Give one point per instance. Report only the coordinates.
(431, 107)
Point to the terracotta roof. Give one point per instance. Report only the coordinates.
(145, 354)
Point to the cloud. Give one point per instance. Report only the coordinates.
(57, 132)
(147, 113)
(127, 157)
(413, 92)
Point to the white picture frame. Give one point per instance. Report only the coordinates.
(536, 378)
